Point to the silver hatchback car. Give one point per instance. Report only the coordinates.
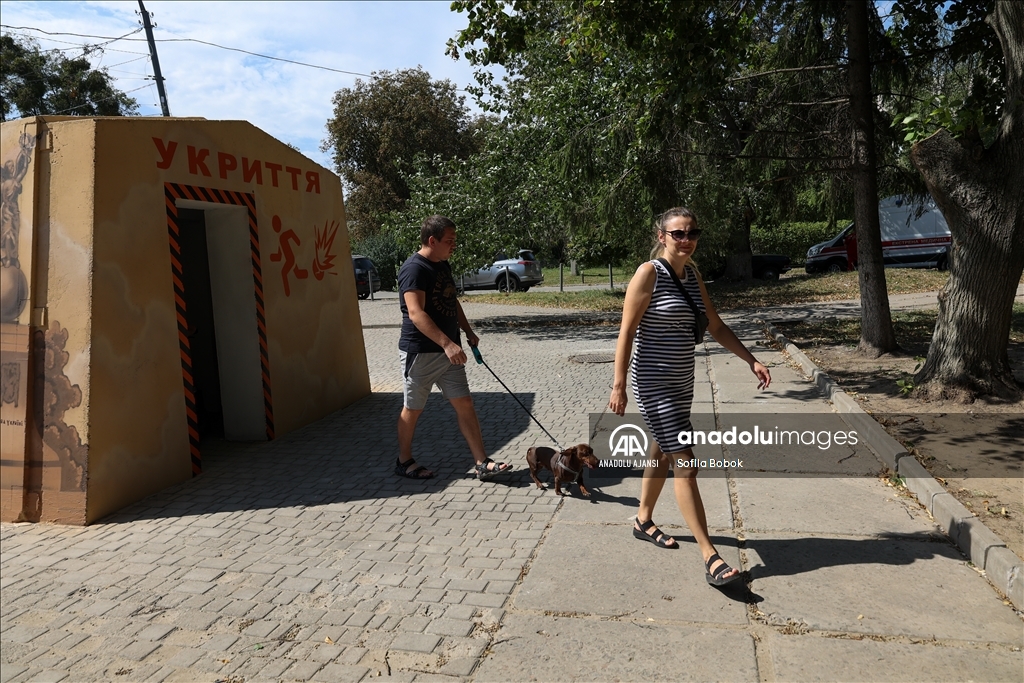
(505, 274)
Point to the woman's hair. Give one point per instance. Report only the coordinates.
(677, 212)
(659, 225)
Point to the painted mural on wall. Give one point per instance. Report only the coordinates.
(59, 396)
(13, 282)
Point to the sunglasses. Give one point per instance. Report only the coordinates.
(680, 235)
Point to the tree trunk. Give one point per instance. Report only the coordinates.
(980, 193)
(738, 262)
(876, 332)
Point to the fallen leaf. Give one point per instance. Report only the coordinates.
(860, 616)
(328, 640)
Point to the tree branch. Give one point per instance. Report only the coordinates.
(784, 71)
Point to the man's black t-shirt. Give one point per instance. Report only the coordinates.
(434, 279)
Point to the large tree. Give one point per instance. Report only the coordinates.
(378, 129)
(975, 174)
(34, 82)
(730, 108)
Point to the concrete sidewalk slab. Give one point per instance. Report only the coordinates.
(917, 588)
(539, 648)
(601, 570)
(828, 505)
(808, 658)
(616, 502)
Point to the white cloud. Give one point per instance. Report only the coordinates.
(288, 101)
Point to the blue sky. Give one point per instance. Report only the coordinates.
(288, 101)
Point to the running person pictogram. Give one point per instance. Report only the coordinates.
(285, 251)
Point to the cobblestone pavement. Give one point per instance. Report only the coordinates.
(305, 558)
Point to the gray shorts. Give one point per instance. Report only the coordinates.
(421, 371)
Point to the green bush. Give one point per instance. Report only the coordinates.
(792, 239)
(387, 255)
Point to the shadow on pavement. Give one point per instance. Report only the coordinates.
(793, 556)
(344, 457)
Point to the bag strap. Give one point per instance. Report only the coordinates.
(675, 279)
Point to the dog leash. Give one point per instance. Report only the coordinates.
(480, 361)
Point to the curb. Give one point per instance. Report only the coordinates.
(986, 550)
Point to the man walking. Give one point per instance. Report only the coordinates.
(430, 348)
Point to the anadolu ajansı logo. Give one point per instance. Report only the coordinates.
(627, 444)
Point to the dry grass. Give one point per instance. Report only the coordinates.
(800, 288)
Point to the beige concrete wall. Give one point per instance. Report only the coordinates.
(315, 352)
(109, 335)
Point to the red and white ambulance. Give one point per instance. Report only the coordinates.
(909, 240)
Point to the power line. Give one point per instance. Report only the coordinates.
(200, 42)
(77, 46)
(89, 104)
(193, 40)
(77, 35)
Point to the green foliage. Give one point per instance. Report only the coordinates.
(906, 383)
(379, 128)
(388, 253)
(33, 83)
(737, 110)
(957, 68)
(613, 112)
(792, 239)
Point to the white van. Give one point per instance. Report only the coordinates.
(908, 240)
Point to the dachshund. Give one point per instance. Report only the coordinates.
(567, 465)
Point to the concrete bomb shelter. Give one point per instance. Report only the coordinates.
(164, 280)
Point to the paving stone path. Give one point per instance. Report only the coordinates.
(306, 559)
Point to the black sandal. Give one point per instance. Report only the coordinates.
(417, 470)
(661, 540)
(716, 578)
(484, 474)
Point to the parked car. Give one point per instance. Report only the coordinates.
(908, 240)
(762, 267)
(505, 274)
(366, 275)
(769, 266)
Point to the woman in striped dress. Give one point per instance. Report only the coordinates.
(663, 322)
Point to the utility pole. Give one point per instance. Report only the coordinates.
(157, 76)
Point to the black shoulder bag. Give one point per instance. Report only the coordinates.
(698, 315)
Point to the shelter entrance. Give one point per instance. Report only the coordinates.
(222, 333)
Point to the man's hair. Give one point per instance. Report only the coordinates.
(434, 226)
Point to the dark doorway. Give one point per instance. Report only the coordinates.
(202, 338)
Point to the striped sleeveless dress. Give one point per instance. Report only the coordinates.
(662, 371)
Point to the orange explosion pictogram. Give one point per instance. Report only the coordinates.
(323, 260)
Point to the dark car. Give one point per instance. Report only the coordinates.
(366, 275)
(762, 267)
(769, 266)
